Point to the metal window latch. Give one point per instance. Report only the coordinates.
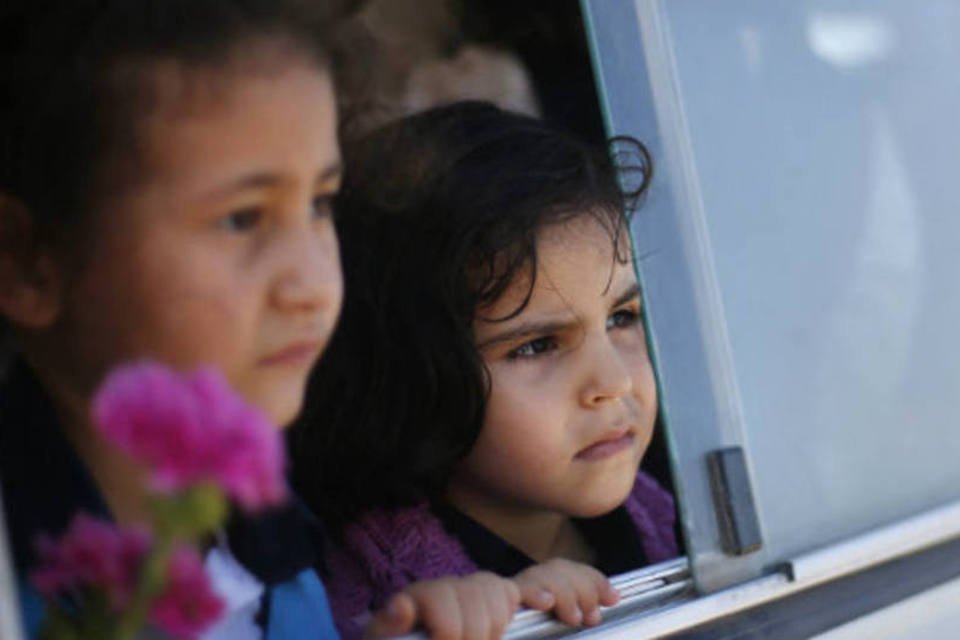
(733, 501)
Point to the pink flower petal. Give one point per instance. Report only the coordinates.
(190, 428)
(188, 604)
(92, 553)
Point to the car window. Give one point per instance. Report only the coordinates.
(799, 254)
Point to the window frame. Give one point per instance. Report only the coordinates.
(809, 594)
(634, 70)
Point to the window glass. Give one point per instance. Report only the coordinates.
(807, 153)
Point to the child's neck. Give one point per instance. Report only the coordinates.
(121, 481)
(539, 534)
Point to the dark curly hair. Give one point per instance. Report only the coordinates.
(439, 213)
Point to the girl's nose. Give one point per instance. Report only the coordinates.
(608, 374)
(310, 279)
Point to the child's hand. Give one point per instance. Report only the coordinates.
(474, 607)
(572, 590)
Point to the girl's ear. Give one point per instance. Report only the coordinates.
(29, 280)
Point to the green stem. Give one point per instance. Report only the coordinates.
(58, 626)
(151, 581)
(184, 516)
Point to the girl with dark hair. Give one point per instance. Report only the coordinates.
(487, 397)
(166, 174)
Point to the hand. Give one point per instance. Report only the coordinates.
(474, 607)
(572, 590)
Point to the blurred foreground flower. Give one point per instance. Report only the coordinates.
(187, 605)
(201, 444)
(192, 428)
(93, 554)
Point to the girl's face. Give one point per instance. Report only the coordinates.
(223, 251)
(573, 398)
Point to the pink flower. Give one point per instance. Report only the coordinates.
(188, 604)
(92, 553)
(190, 428)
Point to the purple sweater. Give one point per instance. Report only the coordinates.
(383, 551)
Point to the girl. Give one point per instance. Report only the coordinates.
(493, 351)
(166, 173)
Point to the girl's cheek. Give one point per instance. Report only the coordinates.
(633, 343)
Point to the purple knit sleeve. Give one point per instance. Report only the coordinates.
(381, 553)
(653, 512)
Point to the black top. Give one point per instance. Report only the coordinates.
(613, 538)
(43, 481)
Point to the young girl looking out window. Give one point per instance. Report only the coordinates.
(488, 397)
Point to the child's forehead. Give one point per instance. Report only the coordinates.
(581, 255)
(169, 87)
(583, 247)
(184, 113)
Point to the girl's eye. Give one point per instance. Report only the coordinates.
(322, 206)
(623, 318)
(533, 348)
(242, 220)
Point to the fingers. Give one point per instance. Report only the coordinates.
(398, 617)
(481, 605)
(475, 607)
(440, 609)
(608, 595)
(577, 600)
(535, 596)
(477, 610)
(503, 600)
(573, 591)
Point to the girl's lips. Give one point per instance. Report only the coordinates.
(295, 354)
(606, 447)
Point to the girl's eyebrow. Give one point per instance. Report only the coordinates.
(631, 292)
(333, 171)
(527, 329)
(547, 327)
(267, 179)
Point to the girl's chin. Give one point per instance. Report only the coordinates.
(282, 414)
(280, 401)
(604, 501)
(596, 509)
